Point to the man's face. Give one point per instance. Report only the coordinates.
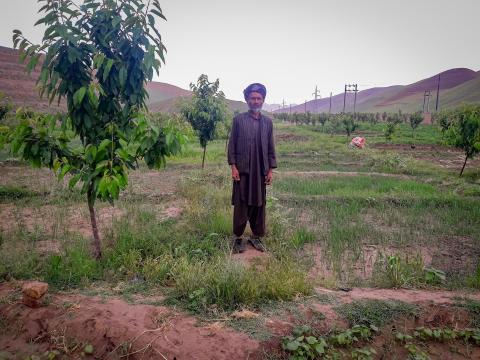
(255, 101)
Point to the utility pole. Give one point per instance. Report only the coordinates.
(290, 109)
(283, 105)
(305, 106)
(350, 88)
(355, 100)
(317, 95)
(426, 104)
(330, 107)
(438, 93)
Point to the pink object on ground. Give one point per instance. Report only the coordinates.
(358, 142)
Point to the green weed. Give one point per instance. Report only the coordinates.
(228, 284)
(375, 312)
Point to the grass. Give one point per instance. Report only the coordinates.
(358, 187)
(228, 284)
(189, 256)
(375, 312)
(12, 193)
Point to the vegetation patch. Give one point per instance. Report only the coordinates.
(10, 192)
(375, 312)
(227, 284)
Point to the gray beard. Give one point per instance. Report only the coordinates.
(257, 110)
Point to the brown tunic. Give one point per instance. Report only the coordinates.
(251, 189)
(252, 150)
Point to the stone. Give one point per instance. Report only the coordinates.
(32, 293)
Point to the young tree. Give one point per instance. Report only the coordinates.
(97, 56)
(415, 120)
(349, 124)
(464, 133)
(445, 118)
(322, 118)
(206, 108)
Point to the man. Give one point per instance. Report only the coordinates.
(251, 155)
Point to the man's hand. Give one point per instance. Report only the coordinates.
(235, 173)
(269, 177)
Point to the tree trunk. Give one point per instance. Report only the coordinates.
(203, 159)
(93, 220)
(465, 163)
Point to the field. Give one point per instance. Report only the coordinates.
(364, 247)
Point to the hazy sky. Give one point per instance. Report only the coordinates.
(293, 46)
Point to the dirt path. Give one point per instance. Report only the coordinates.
(438, 297)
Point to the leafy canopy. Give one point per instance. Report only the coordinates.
(206, 108)
(97, 56)
(464, 132)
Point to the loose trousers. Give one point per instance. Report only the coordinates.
(255, 215)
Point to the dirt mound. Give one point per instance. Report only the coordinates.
(116, 330)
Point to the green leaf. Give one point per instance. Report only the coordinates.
(106, 70)
(88, 349)
(116, 20)
(73, 180)
(66, 168)
(122, 76)
(102, 164)
(158, 13)
(79, 95)
(292, 345)
(103, 145)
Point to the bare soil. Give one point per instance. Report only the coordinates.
(451, 254)
(117, 329)
(444, 156)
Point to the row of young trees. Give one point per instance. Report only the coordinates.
(321, 118)
(460, 126)
(348, 123)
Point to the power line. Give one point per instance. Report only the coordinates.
(350, 88)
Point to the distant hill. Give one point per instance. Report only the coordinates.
(17, 84)
(21, 90)
(172, 104)
(456, 86)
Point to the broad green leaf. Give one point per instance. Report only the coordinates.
(79, 95)
(106, 70)
(73, 180)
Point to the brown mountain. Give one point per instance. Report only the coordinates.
(456, 86)
(21, 89)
